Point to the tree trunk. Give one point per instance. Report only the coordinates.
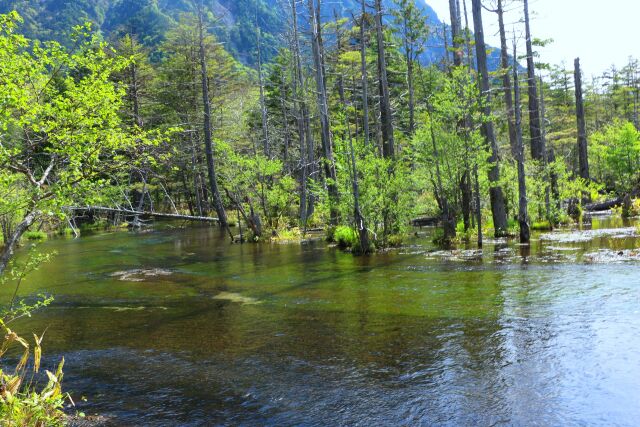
(448, 217)
(496, 195)
(361, 226)
(208, 144)
(537, 149)
(476, 181)
(365, 78)
(304, 127)
(523, 216)
(263, 106)
(285, 118)
(465, 190)
(506, 80)
(11, 244)
(323, 108)
(388, 144)
(194, 171)
(412, 95)
(549, 190)
(456, 29)
(583, 156)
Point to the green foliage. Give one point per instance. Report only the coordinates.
(63, 140)
(615, 156)
(380, 182)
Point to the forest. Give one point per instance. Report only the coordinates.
(316, 120)
(345, 128)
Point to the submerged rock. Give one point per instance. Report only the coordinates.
(140, 275)
(237, 298)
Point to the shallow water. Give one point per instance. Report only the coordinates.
(178, 327)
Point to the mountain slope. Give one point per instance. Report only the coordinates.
(150, 19)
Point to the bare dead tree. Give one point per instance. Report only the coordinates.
(496, 195)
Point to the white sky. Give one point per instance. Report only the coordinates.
(601, 33)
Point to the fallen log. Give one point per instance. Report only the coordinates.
(142, 213)
(426, 221)
(604, 206)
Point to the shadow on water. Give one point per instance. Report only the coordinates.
(308, 335)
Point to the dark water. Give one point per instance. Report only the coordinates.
(220, 334)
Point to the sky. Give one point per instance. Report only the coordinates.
(601, 33)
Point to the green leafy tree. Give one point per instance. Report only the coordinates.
(63, 139)
(615, 151)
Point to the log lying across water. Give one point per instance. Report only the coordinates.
(144, 214)
(426, 221)
(604, 206)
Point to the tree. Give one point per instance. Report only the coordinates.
(63, 140)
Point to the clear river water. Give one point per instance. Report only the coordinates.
(176, 326)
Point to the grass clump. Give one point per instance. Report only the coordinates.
(542, 226)
(345, 237)
(35, 235)
(395, 240)
(288, 234)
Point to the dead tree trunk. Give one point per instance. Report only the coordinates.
(523, 216)
(496, 195)
(583, 156)
(215, 192)
(506, 79)
(323, 108)
(388, 144)
(364, 73)
(537, 149)
(304, 125)
(549, 190)
(263, 106)
(456, 29)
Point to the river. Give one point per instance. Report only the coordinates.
(176, 326)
